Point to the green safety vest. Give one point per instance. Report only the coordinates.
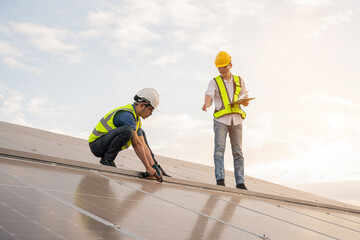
(226, 108)
(106, 124)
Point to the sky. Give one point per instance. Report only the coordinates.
(65, 64)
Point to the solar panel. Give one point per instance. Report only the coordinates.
(42, 199)
(147, 209)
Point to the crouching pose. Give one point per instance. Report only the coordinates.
(121, 128)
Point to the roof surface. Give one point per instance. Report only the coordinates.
(52, 187)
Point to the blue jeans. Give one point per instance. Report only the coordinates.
(235, 132)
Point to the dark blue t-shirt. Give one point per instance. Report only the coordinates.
(125, 118)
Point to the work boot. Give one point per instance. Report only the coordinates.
(220, 182)
(107, 163)
(241, 186)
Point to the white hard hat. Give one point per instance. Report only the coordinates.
(150, 95)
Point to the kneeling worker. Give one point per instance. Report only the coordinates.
(121, 128)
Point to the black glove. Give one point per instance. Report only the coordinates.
(145, 174)
(158, 172)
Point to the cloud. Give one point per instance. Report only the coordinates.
(4, 30)
(39, 106)
(40, 111)
(44, 38)
(307, 144)
(321, 147)
(311, 2)
(6, 49)
(11, 106)
(164, 60)
(55, 41)
(332, 21)
(206, 28)
(88, 34)
(16, 64)
(325, 99)
(260, 131)
(10, 55)
(127, 26)
(338, 19)
(324, 24)
(207, 45)
(20, 108)
(76, 57)
(141, 26)
(316, 163)
(333, 111)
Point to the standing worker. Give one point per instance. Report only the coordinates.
(121, 128)
(223, 90)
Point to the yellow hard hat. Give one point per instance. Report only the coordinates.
(222, 59)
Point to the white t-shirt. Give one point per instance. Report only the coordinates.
(214, 93)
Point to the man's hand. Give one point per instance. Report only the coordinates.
(158, 173)
(205, 107)
(245, 103)
(153, 173)
(207, 103)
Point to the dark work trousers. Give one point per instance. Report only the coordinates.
(109, 145)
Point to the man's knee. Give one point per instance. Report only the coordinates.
(127, 132)
(95, 149)
(220, 149)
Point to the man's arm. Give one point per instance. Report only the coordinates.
(207, 103)
(148, 155)
(140, 151)
(209, 95)
(147, 151)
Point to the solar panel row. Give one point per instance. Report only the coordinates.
(49, 202)
(51, 187)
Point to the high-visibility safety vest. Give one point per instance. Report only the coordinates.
(106, 124)
(226, 108)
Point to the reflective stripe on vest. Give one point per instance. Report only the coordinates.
(226, 108)
(106, 124)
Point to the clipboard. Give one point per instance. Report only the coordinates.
(241, 101)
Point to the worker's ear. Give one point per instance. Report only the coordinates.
(143, 105)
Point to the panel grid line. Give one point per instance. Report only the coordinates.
(95, 217)
(186, 208)
(268, 215)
